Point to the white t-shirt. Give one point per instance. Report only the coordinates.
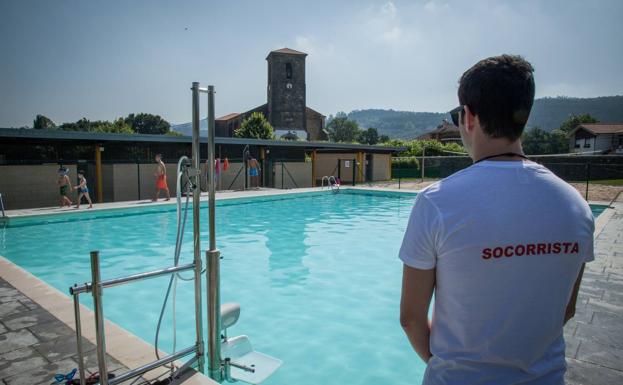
(507, 240)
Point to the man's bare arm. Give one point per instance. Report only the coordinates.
(570, 312)
(417, 291)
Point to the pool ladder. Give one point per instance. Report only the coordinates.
(331, 183)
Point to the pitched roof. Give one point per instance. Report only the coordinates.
(228, 116)
(314, 111)
(288, 51)
(444, 128)
(602, 128)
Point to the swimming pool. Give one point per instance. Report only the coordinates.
(317, 277)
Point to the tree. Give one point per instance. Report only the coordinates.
(119, 126)
(575, 120)
(384, 139)
(369, 136)
(343, 130)
(81, 125)
(256, 127)
(42, 122)
(538, 141)
(147, 124)
(433, 147)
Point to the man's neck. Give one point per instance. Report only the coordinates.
(493, 147)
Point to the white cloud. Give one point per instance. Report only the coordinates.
(305, 44)
(434, 6)
(393, 34)
(389, 9)
(384, 25)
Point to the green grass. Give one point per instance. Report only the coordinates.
(608, 182)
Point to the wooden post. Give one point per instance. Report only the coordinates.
(98, 174)
(362, 169)
(313, 156)
(389, 167)
(263, 163)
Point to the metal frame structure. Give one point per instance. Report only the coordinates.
(97, 286)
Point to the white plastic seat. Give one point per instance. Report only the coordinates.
(240, 351)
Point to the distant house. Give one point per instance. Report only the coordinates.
(446, 132)
(601, 138)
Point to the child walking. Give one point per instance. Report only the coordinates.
(64, 185)
(83, 190)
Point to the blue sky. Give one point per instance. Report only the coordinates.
(102, 60)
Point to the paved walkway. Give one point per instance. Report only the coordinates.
(34, 345)
(595, 335)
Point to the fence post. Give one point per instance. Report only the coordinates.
(588, 177)
(423, 161)
(399, 174)
(138, 178)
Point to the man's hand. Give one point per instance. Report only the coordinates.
(417, 291)
(570, 311)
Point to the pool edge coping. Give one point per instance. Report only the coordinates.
(122, 345)
(108, 207)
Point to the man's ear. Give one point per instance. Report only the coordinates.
(468, 119)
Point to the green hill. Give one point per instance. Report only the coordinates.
(547, 113)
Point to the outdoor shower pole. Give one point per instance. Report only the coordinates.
(196, 156)
(213, 260)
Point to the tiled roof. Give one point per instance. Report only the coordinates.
(603, 128)
(444, 128)
(288, 51)
(228, 116)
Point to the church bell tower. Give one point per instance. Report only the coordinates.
(286, 89)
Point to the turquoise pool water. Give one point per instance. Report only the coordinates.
(317, 277)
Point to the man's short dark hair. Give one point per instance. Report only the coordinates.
(500, 91)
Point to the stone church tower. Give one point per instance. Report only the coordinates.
(286, 108)
(286, 89)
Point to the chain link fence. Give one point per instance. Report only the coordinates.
(597, 178)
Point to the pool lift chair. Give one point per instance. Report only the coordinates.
(229, 359)
(241, 361)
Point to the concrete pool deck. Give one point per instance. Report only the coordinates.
(36, 320)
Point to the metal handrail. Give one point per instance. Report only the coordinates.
(334, 185)
(96, 287)
(88, 286)
(331, 185)
(152, 365)
(323, 179)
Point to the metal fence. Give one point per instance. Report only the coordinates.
(598, 178)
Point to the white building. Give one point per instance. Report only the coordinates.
(601, 138)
